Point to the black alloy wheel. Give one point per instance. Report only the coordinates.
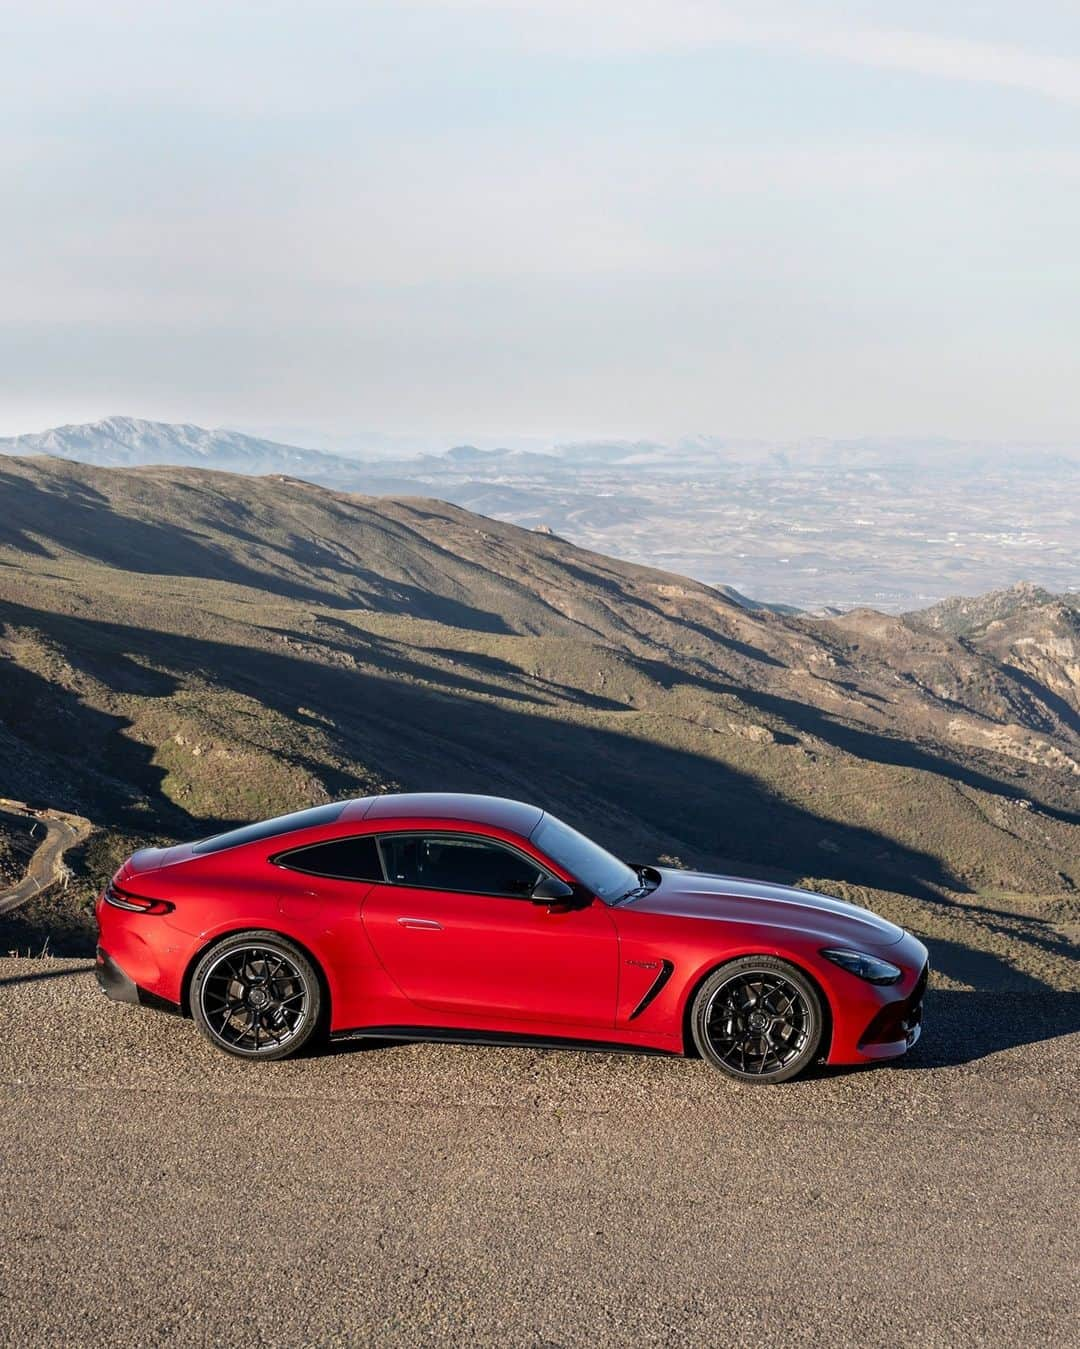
(256, 995)
(758, 1019)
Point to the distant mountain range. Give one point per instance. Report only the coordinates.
(817, 525)
(126, 442)
(130, 442)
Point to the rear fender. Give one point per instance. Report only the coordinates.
(234, 931)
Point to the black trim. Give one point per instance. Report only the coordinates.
(158, 1003)
(112, 980)
(666, 970)
(120, 987)
(448, 1035)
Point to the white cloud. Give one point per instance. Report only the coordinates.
(817, 29)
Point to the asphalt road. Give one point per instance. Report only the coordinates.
(154, 1191)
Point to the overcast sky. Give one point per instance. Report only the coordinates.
(557, 219)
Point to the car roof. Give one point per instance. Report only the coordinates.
(516, 816)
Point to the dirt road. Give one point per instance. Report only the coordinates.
(154, 1191)
(60, 834)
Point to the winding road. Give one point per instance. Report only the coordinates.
(45, 869)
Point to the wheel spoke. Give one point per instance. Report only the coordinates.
(255, 999)
(757, 1023)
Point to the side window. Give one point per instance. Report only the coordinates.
(446, 862)
(347, 859)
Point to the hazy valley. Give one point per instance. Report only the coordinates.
(817, 525)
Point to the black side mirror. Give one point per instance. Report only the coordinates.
(550, 890)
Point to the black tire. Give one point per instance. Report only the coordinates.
(258, 996)
(758, 1019)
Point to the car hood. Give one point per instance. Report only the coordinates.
(691, 894)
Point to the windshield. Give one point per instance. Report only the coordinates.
(585, 860)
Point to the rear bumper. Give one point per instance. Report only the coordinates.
(112, 980)
(120, 987)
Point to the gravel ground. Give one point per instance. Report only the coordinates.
(154, 1191)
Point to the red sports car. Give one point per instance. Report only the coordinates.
(471, 918)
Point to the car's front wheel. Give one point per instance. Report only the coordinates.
(256, 995)
(758, 1019)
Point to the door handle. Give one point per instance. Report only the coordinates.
(425, 924)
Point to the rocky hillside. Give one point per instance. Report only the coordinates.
(180, 647)
(966, 614)
(1026, 630)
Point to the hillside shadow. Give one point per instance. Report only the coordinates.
(623, 598)
(856, 741)
(1045, 695)
(386, 652)
(82, 521)
(1030, 929)
(641, 797)
(983, 969)
(464, 679)
(92, 766)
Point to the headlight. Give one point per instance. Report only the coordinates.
(871, 968)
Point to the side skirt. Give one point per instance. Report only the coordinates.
(448, 1035)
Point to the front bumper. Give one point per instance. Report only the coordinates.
(874, 1022)
(898, 1026)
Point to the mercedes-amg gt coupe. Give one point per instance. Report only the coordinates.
(472, 918)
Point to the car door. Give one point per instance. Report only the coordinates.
(456, 930)
(320, 888)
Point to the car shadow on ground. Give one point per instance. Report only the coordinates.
(31, 976)
(962, 1026)
(959, 1027)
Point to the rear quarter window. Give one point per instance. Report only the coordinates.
(345, 859)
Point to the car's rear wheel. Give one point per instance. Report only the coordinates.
(257, 995)
(758, 1019)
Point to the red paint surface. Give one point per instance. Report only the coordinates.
(498, 964)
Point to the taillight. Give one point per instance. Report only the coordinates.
(124, 899)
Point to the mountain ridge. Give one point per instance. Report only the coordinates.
(129, 442)
(775, 523)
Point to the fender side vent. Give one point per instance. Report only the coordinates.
(666, 970)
